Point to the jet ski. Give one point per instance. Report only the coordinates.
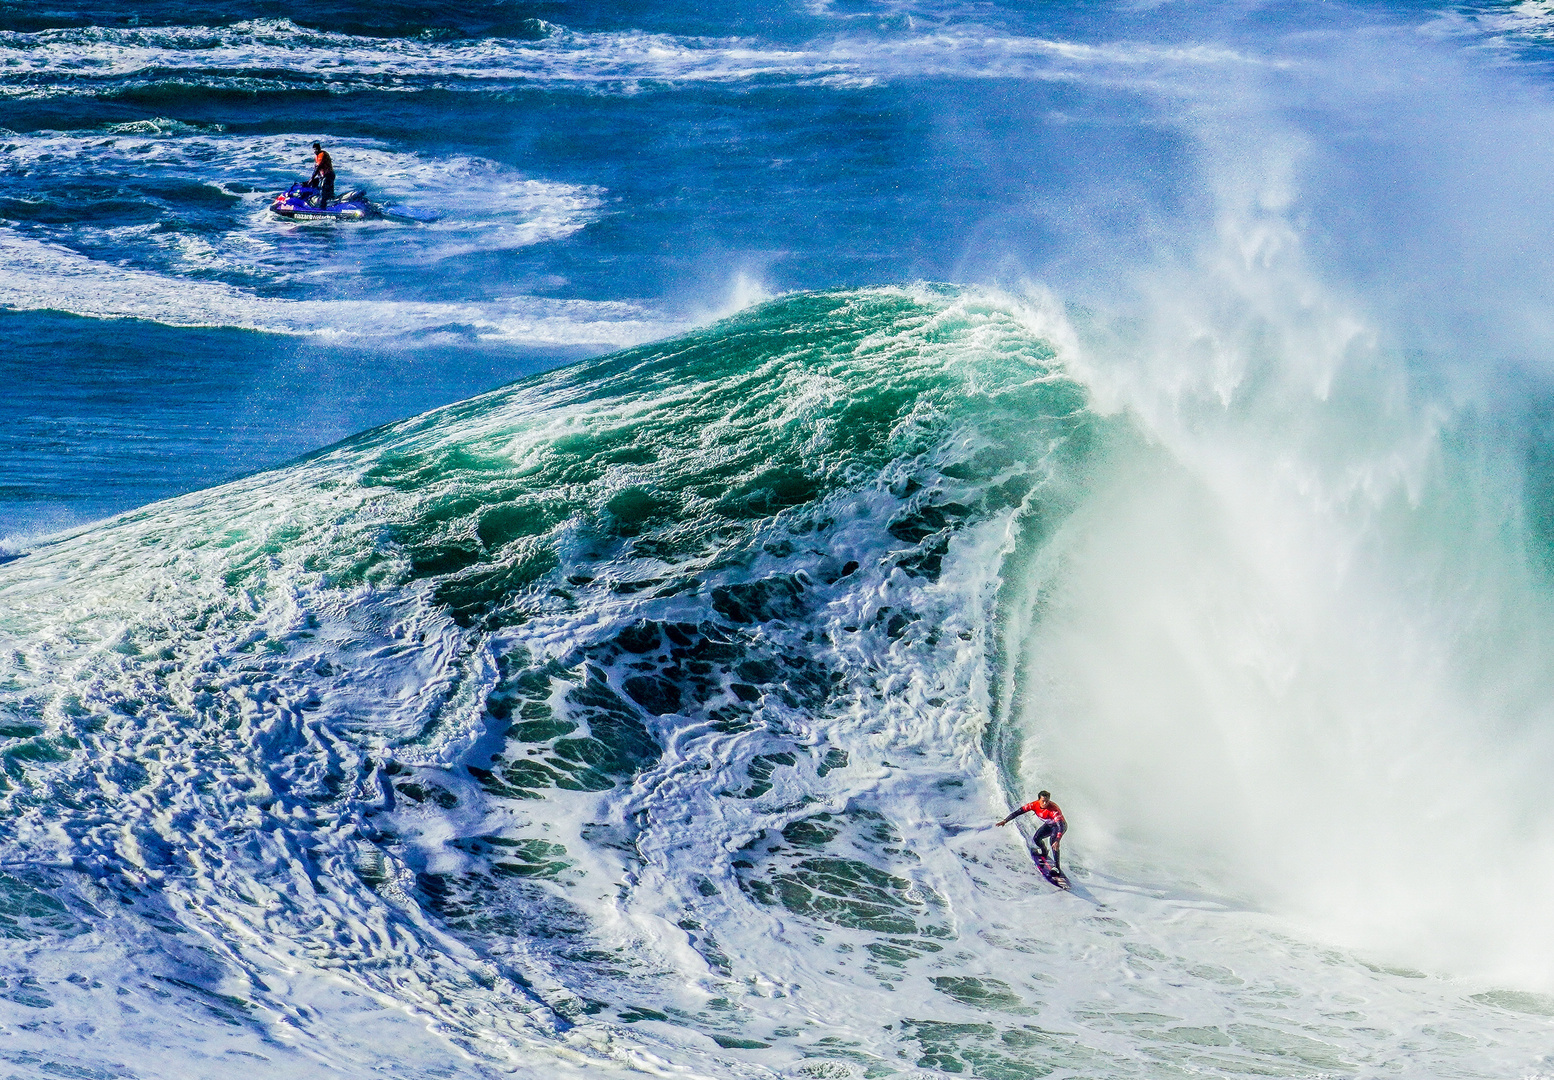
(303, 201)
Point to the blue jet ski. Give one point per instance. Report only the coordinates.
(303, 201)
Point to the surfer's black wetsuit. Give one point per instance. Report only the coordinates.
(1053, 830)
(323, 178)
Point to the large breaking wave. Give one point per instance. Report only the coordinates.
(653, 711)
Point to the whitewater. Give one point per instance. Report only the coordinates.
(590, 622)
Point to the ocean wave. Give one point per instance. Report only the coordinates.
(562, 619)
(40, 276)
(278, 54)
(653, 710)
(1520, 28)
(1533, 18)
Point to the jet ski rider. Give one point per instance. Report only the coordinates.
(1052, 824)
(323, 175)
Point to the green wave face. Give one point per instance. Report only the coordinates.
(665, 462)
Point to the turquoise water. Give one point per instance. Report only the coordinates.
(915, 407)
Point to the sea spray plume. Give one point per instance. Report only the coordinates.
(1298, 646)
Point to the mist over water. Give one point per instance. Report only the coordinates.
(1295, 647)
(652, 712)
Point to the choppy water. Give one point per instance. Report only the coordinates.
(650, 713)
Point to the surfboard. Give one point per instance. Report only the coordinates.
(1055, 877)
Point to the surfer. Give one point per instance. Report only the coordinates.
(323, 175)
(1052, 825)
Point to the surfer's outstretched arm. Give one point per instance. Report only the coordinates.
(1014, 814)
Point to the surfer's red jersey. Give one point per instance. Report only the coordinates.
(1050, 812)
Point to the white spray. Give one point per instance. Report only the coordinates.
(1299, 646)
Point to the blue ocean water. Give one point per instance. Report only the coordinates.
(589, 618)
(683, 163)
